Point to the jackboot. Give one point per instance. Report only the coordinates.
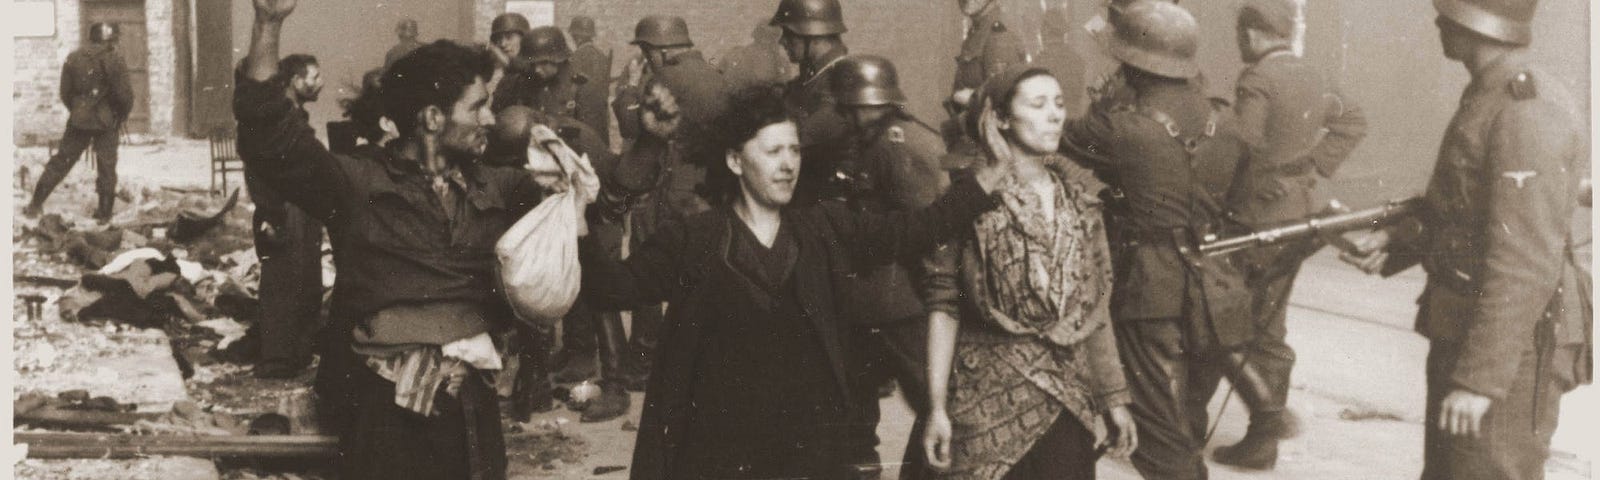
(1258, 450)
(613, 401)
(102, 213)
(577, 360)
(1269, 421)
(532, 391)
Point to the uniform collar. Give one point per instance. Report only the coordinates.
(1501, 70)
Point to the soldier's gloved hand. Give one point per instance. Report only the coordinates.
(1371, 252)
(1461, 412)
(635, 70)
(1271, 194)
(660, 114)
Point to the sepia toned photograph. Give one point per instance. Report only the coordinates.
(801, 240)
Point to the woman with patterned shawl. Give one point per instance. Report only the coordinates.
(1024, 376)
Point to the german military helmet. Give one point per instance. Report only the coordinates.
(581, 26)
(1509, 21)
(865, 80)
(1157, 37)
(812, 18)
(546, 44)
(662, 31)
(508, 23)
(102, 33)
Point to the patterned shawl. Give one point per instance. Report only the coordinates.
(1044, 276)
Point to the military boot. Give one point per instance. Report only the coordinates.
(613, 400)
(1258, 450)
(1269, 421)
(103, 212)
(577, 360)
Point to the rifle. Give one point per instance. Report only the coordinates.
(1328, 226)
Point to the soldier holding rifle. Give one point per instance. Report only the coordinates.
(1505, 307)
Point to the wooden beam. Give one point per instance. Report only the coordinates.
(95, 445)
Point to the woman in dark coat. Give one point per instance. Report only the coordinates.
(749, 382)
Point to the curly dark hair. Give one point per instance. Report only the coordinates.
(365, 109)
(749, 110)
(435, 74)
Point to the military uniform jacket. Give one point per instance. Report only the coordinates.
(988, 48)
(896, 170)
(700, 90)
(1170, 156)
(570, 94)
(1496, 231)
(589, 61)
(95, 88)
(823, 136)
(1299, 127)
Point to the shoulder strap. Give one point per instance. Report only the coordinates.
(1190, 142)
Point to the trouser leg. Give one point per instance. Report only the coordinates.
(869, 371)
(1514, 440)
(1270, 354)
(105, 154)
(291, 288)
(612, 340)
(532, 390)
(1155, 356)
(461, 440)
(73, 143)
(642, 341)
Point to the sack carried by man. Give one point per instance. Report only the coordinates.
(538, 256)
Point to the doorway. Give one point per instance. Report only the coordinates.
(132, 45)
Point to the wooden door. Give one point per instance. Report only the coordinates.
(132, 45)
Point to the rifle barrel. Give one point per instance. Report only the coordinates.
(1335, 223)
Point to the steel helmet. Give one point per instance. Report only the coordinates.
(102, 33)
(581, 26)
(811, 18)
(546, 44)
(1158, 37)
(1115, 9)
(865, 80)
(662, 31)
(509, 22)
(1509, 21)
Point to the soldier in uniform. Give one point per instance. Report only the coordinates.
(94, 85)
(405, 33)
(673, 91)
(811, 36)
(588, 59)
(895, 168)
(548, 83)
(1062, 58)
(1505, 307)
(1300, 128)
(761, 62)
(989, 47)
(1169, 154)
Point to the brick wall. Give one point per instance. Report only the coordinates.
(163, 65)
(38, 115)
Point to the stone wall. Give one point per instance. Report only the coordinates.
(38, 115)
